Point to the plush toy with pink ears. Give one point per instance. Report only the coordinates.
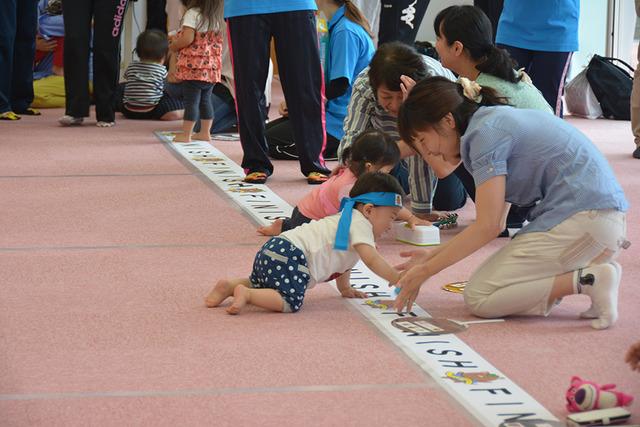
(587, 395)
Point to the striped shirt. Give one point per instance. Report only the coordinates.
(364, 113)
(145, 84)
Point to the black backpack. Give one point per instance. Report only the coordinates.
(612, 86)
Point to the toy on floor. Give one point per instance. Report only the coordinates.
(448, 221)
(587, 395)
(455, 287)
(421, 235)
(599, 417)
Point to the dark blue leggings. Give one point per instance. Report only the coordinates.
(197, 100)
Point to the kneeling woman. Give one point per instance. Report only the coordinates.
(529, 158)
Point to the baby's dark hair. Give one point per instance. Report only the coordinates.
(152, 45)
(373, 182)
(371, 146)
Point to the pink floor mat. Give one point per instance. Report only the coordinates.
(109, 244)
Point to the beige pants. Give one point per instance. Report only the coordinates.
(519, 277)
(635, 103)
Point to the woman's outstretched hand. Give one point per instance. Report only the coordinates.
(416, 257)
(409, 284)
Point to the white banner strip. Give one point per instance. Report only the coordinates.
(482, 389)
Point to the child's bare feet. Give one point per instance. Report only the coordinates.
(240, 298)
(271, 230)
(222, 291)
(182, 137)
(201, 136)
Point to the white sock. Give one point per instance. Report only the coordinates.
(601, 283)
(592, 312)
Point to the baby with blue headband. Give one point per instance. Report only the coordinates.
(320, 251)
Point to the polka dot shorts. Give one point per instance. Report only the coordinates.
(280, 265)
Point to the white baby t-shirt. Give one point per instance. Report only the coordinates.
(316, 240)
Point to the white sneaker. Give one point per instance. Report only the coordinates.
(105, 124)
(70, 120)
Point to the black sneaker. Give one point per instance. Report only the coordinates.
(636, 153)
(505, 232)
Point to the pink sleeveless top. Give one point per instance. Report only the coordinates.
(324, 200)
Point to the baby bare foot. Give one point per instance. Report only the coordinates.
(201, 136)
(271, 230)
(240, 299)
(222, 291)
(182, 137)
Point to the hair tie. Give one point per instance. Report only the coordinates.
(470, 89)
(524, 77)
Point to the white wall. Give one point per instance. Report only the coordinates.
(425, 33)
(592, 34)
(135, 22)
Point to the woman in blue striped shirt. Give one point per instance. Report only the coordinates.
(528, 158)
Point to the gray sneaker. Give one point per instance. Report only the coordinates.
(70, 120)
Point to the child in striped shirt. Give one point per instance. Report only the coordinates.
(142, 96)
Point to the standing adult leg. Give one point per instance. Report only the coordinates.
(400, 20)
(108, 22)
(25, 50)
(296, 41)
(493, 10)
(548, 73)
(77, 29)
(8, 21)
(249, 38)
(156, 15)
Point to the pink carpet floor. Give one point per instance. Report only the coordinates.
(109, 243)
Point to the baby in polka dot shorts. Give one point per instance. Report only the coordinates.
(320, 251)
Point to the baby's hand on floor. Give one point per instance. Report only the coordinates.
(352, 293)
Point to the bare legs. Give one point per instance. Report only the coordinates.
(187, 128)
(243, 294)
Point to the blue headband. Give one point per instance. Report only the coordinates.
(346, 206)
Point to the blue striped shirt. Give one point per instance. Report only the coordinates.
(145, 84)
(547, 162)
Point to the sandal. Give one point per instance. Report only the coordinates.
(256, 178)
(447, 221)
(9, 115)
(30, 112)
(315, 178)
